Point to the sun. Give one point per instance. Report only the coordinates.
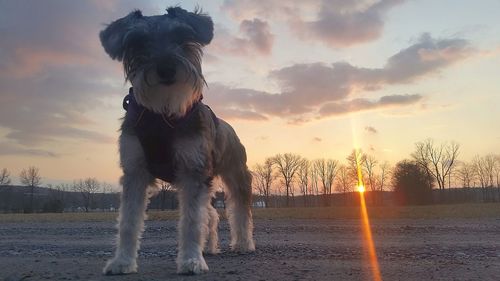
(361, 188)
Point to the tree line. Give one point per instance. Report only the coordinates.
(82, 193)
(430, 166)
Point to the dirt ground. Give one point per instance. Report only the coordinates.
(287, 249)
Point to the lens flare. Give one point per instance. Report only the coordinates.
(367, 232)
(368, 240)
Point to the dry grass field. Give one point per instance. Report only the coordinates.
(464, 211)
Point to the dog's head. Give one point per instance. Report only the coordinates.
(161, 56)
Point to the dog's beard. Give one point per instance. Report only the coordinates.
(171, 100)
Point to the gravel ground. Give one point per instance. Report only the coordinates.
(454, 249)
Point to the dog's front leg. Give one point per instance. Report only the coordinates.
(134, 198)
(193, 200)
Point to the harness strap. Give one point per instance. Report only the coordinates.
(171, 122)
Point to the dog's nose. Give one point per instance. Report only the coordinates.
(166, 71)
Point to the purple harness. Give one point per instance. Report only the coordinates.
(157, 134)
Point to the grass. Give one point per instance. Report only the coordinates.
(456, 211)
(81, 217)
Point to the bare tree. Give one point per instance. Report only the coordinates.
(314, 186)
(484, 168)
(4, 177)
(326, 171)
(496, 170)
(355, 161)
(287, 165)
(384, 175)
(87, 188)
(303, 175)
(466, 174)
(319, 168)
(30, 177)
(106, 188)
(437, 160)
(450, 160)
(345, 181)
(264, 177)
(369, 165)
(489, 167)
(481, 171)
(378, 181)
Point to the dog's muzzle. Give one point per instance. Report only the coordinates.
(166, 70)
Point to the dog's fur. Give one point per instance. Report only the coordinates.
(161, 56)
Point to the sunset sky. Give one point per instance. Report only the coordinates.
(307, 77)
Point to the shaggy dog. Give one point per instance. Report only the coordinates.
(168, 133)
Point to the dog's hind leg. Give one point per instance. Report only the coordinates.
(238, 181)
(213, 237)
(134, 199)
(193, 224)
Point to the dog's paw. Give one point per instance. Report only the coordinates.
(117, 266)
(247, 246)
(212, 251)
(192, 266)
(212, 248)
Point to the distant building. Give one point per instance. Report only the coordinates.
(259, 204)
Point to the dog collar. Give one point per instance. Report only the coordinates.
(130, 103)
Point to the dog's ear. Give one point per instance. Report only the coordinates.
(113, 37)
(201, 23)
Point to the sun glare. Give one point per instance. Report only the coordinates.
(369, 244)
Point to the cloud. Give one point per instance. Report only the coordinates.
(371, 130)
(336, 23)
(53, 106)
(317, 90)
(425, 56)
(53, 71)
(256, 39)
(347, 24)
(357, 105)
(245, 9)
(259, 35)
(234, 113)
(7, 148)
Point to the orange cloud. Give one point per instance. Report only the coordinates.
(29, 62)
(256, 39)
(317, 90)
